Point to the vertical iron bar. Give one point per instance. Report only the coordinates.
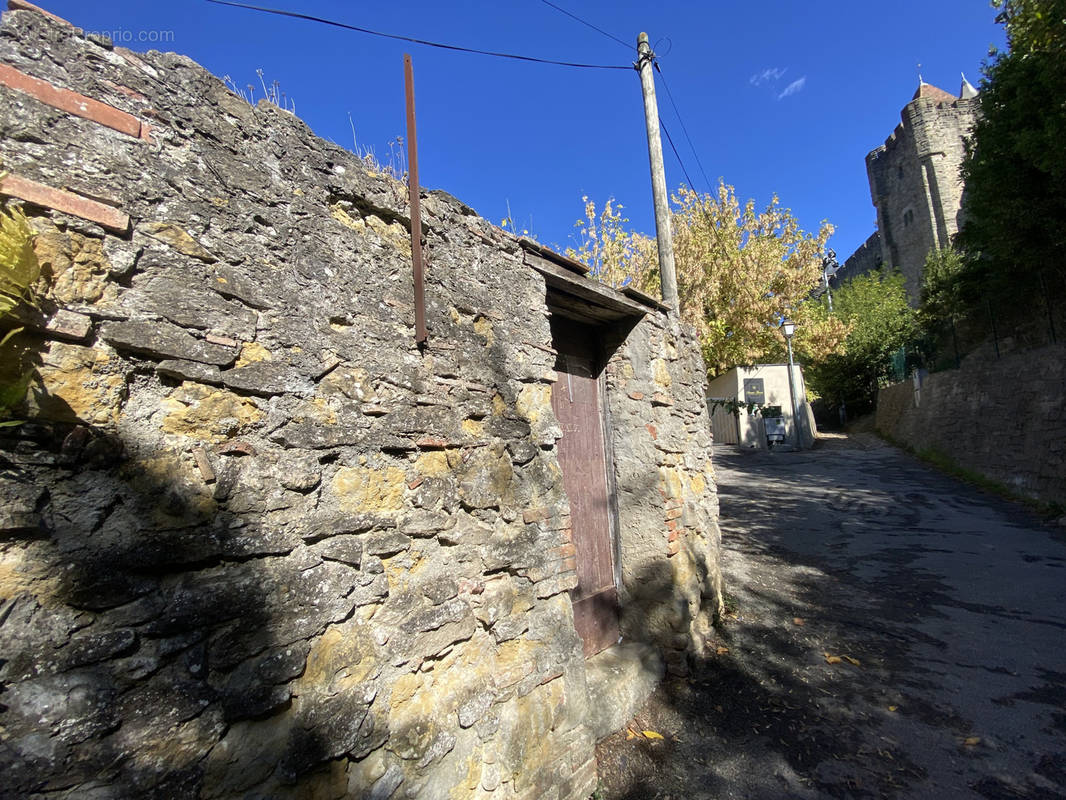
(416, 208)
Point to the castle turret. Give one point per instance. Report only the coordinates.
(914, 179)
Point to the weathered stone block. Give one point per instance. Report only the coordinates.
(162, 340)
(485, 477)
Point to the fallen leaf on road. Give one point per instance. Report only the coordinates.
(830, 659)
(892, 708)
(722, 651)
(719, 709)
(652, 735)
(630, 734)
(973, 740)
(798, 621)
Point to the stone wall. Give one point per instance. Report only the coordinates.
(866, 258)
(1005, 419)
(668, 509)
(915, 183)
(255, 541)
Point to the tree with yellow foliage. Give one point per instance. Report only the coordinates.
(740, 271)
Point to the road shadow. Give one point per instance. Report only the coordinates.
(825, 679)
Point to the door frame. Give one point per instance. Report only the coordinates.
(602, 335)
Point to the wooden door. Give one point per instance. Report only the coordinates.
(576, 402)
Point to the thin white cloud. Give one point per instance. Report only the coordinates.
(768, 75)
(796, 86)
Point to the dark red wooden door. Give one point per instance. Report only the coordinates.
(576, 402)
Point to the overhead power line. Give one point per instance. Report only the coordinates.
(442, 46)
(683, 128)
(677, 155)
(589, 24)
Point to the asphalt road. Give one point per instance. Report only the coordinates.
(892, 633)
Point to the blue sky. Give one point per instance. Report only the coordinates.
(780, 97)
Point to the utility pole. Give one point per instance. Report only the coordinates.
(663, 236)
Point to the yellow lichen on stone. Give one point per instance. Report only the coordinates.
(404, 688)
(343, 656)
(660, 373)
(214, 416)
(414, 724)
(177, 238)
(534, 401)
(392, 232)
(472, 778)
(473, 427)
(398, 575)
(483, 328)
(76, 266)
(697, 485)
(424, 703)
(499, 405)
(365, 489)
(530, 751)
(79, 384)
(514, 661)
(464, 672)
(434, 463)
(251, 352)
(22, 574)
(340, 213)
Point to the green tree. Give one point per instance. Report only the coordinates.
(1015, 170)
(740, 270)
(943, 291)
(880, 321)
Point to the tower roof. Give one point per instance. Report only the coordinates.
(967, 92)
(930, 92)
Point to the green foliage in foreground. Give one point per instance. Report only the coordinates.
(880, 321)
(19, 273)
(19, 269)
(1015, 169)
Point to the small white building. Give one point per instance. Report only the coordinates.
(766, 385)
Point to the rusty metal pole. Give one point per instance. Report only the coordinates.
(416, 208)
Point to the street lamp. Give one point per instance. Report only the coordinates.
(788, 328)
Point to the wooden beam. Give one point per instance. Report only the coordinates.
(594, 293)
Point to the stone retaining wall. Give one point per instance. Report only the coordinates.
(1004, 418)
(254, 541)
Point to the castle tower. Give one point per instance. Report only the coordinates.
(914, 179)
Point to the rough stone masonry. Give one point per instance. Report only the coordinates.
(253, 541)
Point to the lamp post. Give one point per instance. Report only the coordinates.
(788, 328)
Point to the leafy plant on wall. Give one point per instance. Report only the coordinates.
(19, 273)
